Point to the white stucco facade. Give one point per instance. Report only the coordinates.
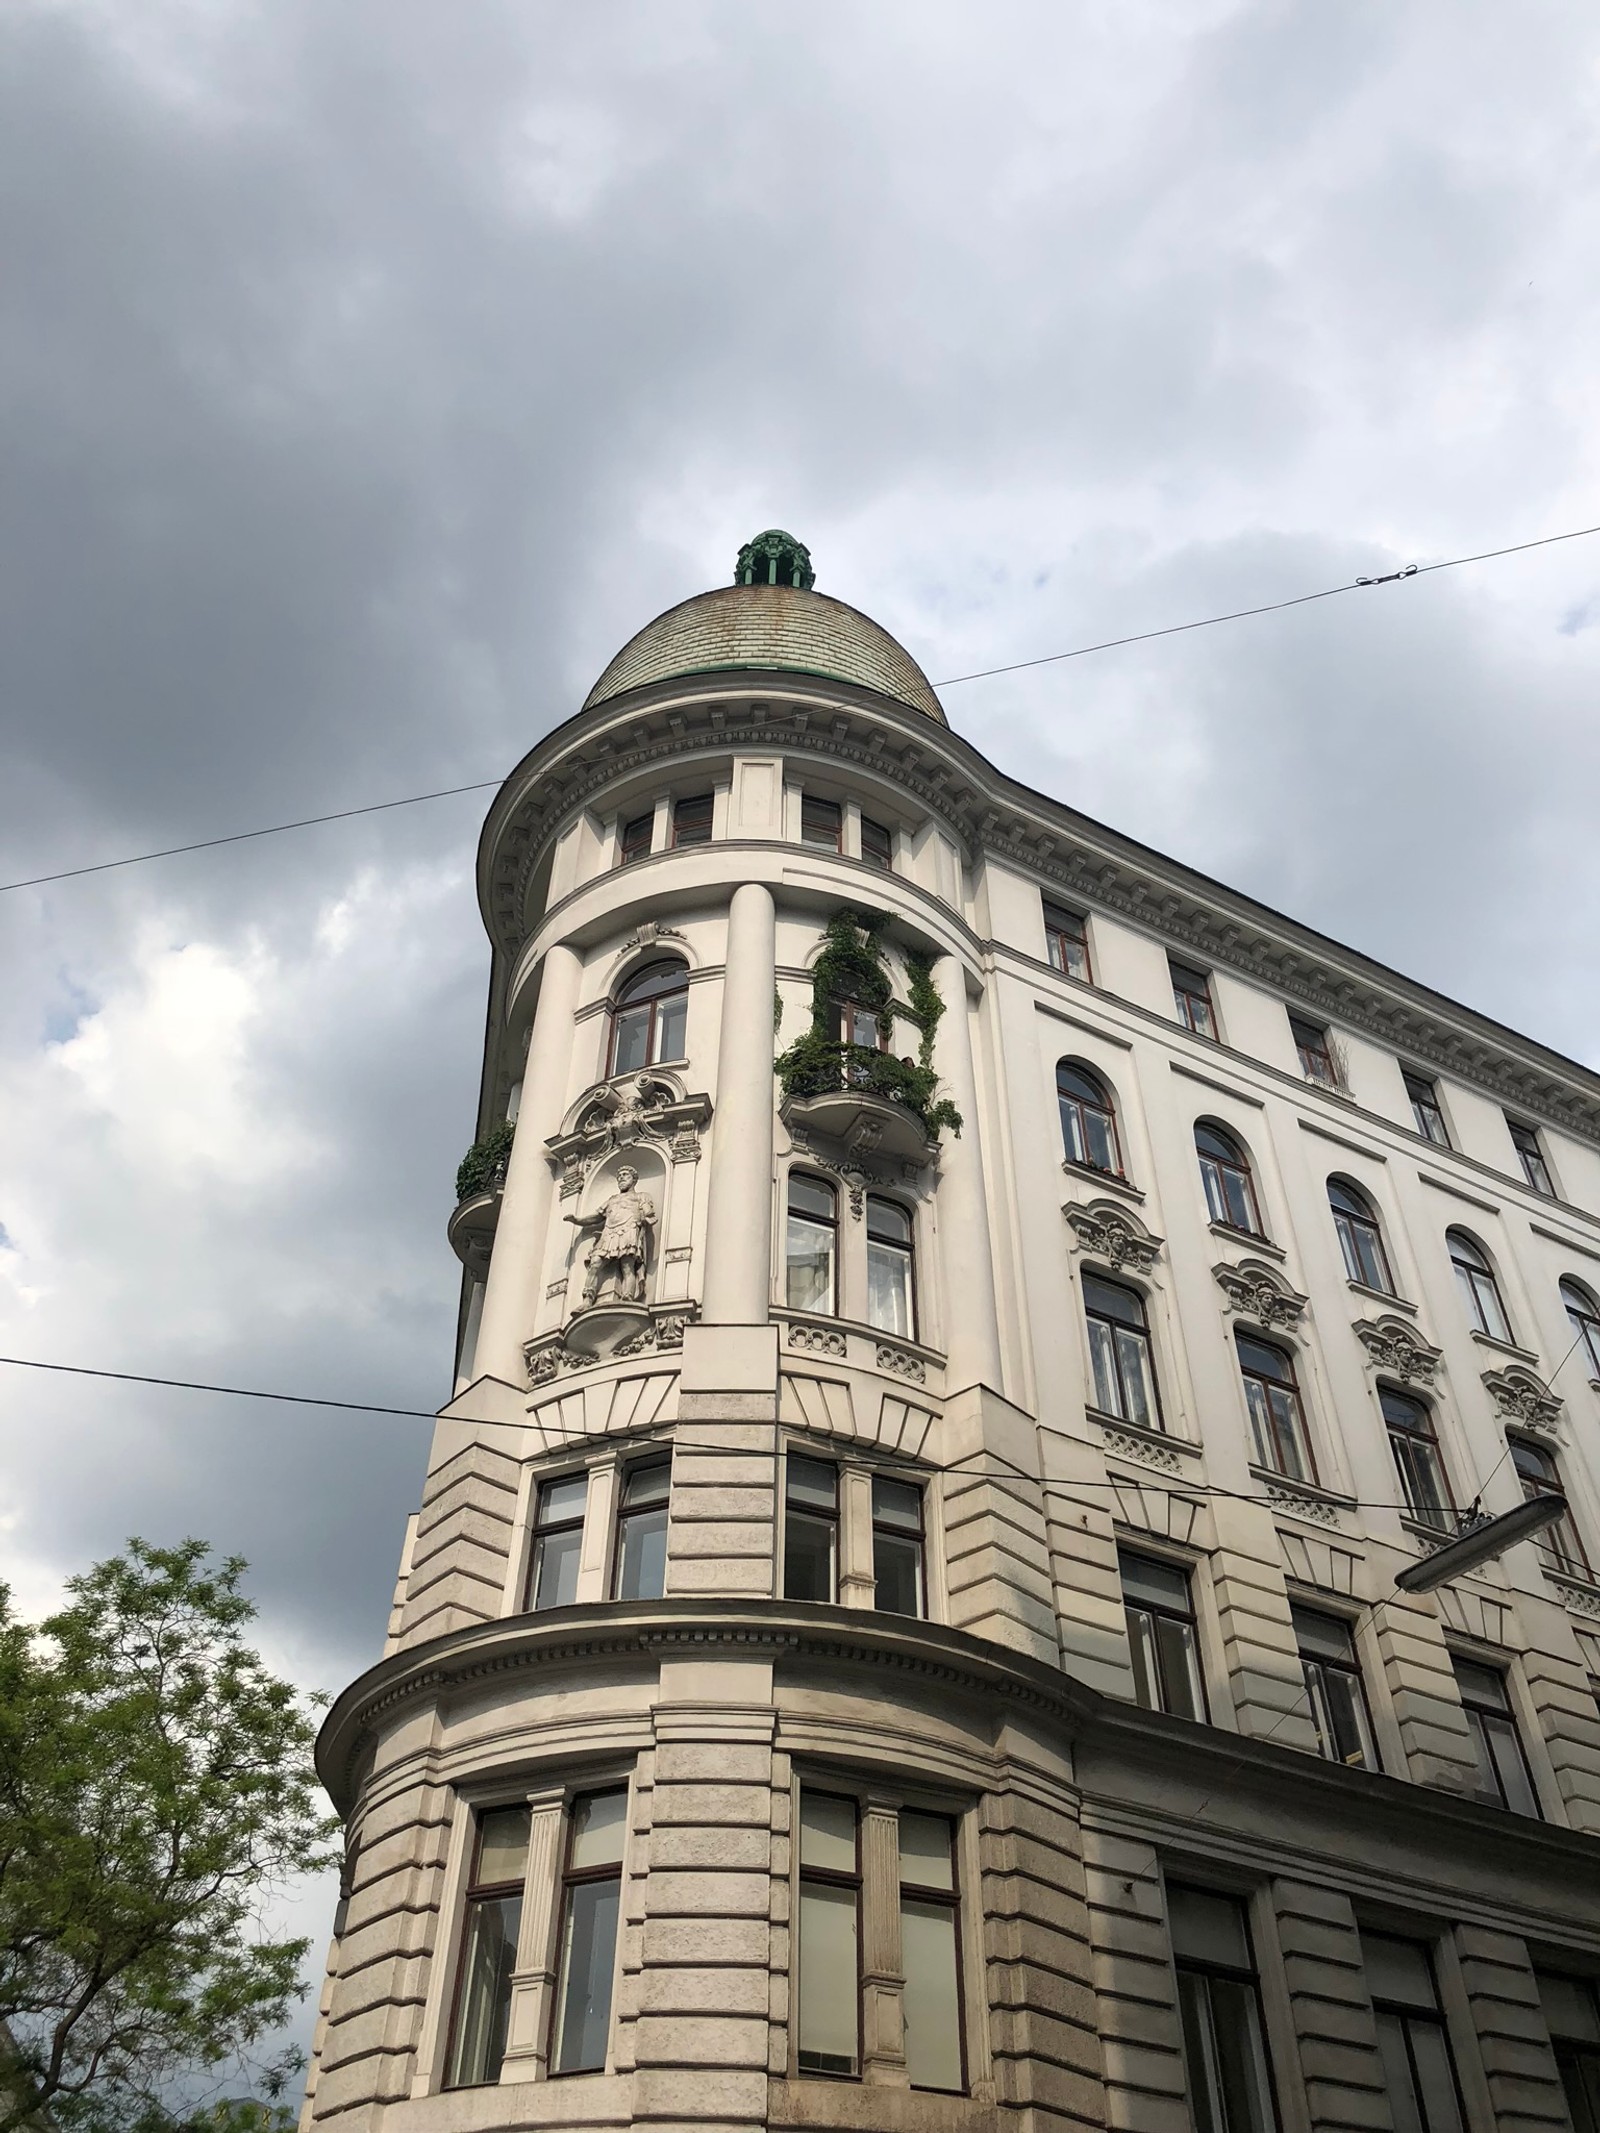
(1060, 1613)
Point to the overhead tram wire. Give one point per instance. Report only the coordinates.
(556, 1438)
(953, 681)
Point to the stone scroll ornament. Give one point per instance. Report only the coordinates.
(620, 1253)
(1255, 1291)
(1398, 1349)
(1106, 1231)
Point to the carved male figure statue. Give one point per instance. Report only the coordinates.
(623, 1245)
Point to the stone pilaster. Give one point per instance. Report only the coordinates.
(461, 1546)
(1427, 1705)
(883, 2028)
(1513, 2042)
(1136, 2007)
(1265, 1679)
(966, 1253)
(528, 2026)
(738, 1283)
(516, 1266)
(1328, 2004)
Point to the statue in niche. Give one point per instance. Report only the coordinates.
(621, 1252)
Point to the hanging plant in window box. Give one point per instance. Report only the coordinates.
(851, 972)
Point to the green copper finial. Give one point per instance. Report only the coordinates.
(775, 558)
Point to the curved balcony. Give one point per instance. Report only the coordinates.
(868, 1101)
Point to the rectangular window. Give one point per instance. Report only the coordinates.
(1119, 1350)
(821, 823)
(1419, 2071)
(897, 1554)
(877, 844)
(1415, 1446)
(591, 1902)
(1316, 1054)
(641, 1559)
(863, 1026)
(829, 2026)
(811, 1245)
(1219, 2002)
(1161, 1634)
(1277, 1418)
(557, 1542)
(1503, 1778)
(1525, 1139)
(691, 820)
(1572, 2016)
(930, 1952)
(1334, 1690)
(891, 1283)
(1558, 1544)
(488, 1947)
(636, 838)
(1066, 938)
(810, 1529)
(1191, 996)
(1426, 1113)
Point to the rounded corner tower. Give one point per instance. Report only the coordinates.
(844, 1671)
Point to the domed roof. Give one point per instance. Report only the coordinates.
(773, 626)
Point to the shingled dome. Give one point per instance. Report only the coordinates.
(768, 628)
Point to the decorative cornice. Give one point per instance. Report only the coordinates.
(1257, 1291)
(1397, 1349)
(1114, 1234)
(1525, 1398)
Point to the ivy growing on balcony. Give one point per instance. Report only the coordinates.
(852, 968)
(483, 1167)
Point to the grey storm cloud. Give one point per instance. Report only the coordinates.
(370, 369)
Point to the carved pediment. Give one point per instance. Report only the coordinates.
(1397, 1349)
(1258, 1291)
(1525, 1398)
(1104, 1230)
(649, 1108)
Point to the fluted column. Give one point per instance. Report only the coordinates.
(971, 1320)
(739, 1223)
(516, 1268)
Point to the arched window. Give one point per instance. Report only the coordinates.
(891, 1274)
(1225, 1173)
(1475, 1277)
(1277, 1418)
(649, 1015)
(1559, 1544)
(811, 1245)
(1119, 1348)
(1415, 1445)
(1088, 1119)
(1360, 1238)
(1583, 1316)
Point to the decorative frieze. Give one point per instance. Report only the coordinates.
(1398, 1350)
(1114, 1234)
(1257, 1291)
(1300, 1503)
(817, 1340)
(1156, 1455)
(902, 1363)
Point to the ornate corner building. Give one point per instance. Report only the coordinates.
(963, 1321)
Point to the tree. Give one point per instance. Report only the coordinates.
(156, 1785)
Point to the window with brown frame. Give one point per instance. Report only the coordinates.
(1219, 2005)
(650, 1017)
(1530, 1154)
(591, 1905)
(1334, 1688)
(1480, 1291)
(1316, 1052)
(811, 1245)
(1360, 1239)
(635, 838)
(1162, 1638)
(1277, 1416)
(490, 1927)
(1503, 1776)
(821, 823)
(1119, 1352)
(1426, 1112)
(1413, 2043)
(691, 819)
(1066, 937)
(1583, 1316)
(1415, 1444)
(1558, 1544)
(1191, 996)
(1229, 1187)
(1088, 1119)
(877, 844)
(861, 1025)
(891, 1268)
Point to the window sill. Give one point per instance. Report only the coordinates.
(1383, 1296)
(1436, 1537)
(1488, 1340)
(1250, 1237)
(1156, 1439)
(1312, 1491)
(1113, 1180)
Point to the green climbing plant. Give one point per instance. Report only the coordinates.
(852, 967)
(484, 1164)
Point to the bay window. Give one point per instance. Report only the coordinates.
(490, 1929)
(811, 1245)
(591, 1904)
(557, 1541)
(810, 1528)
(641, 1551)
(828, 2030)
(897, 1556)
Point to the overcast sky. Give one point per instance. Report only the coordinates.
(371, 369)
